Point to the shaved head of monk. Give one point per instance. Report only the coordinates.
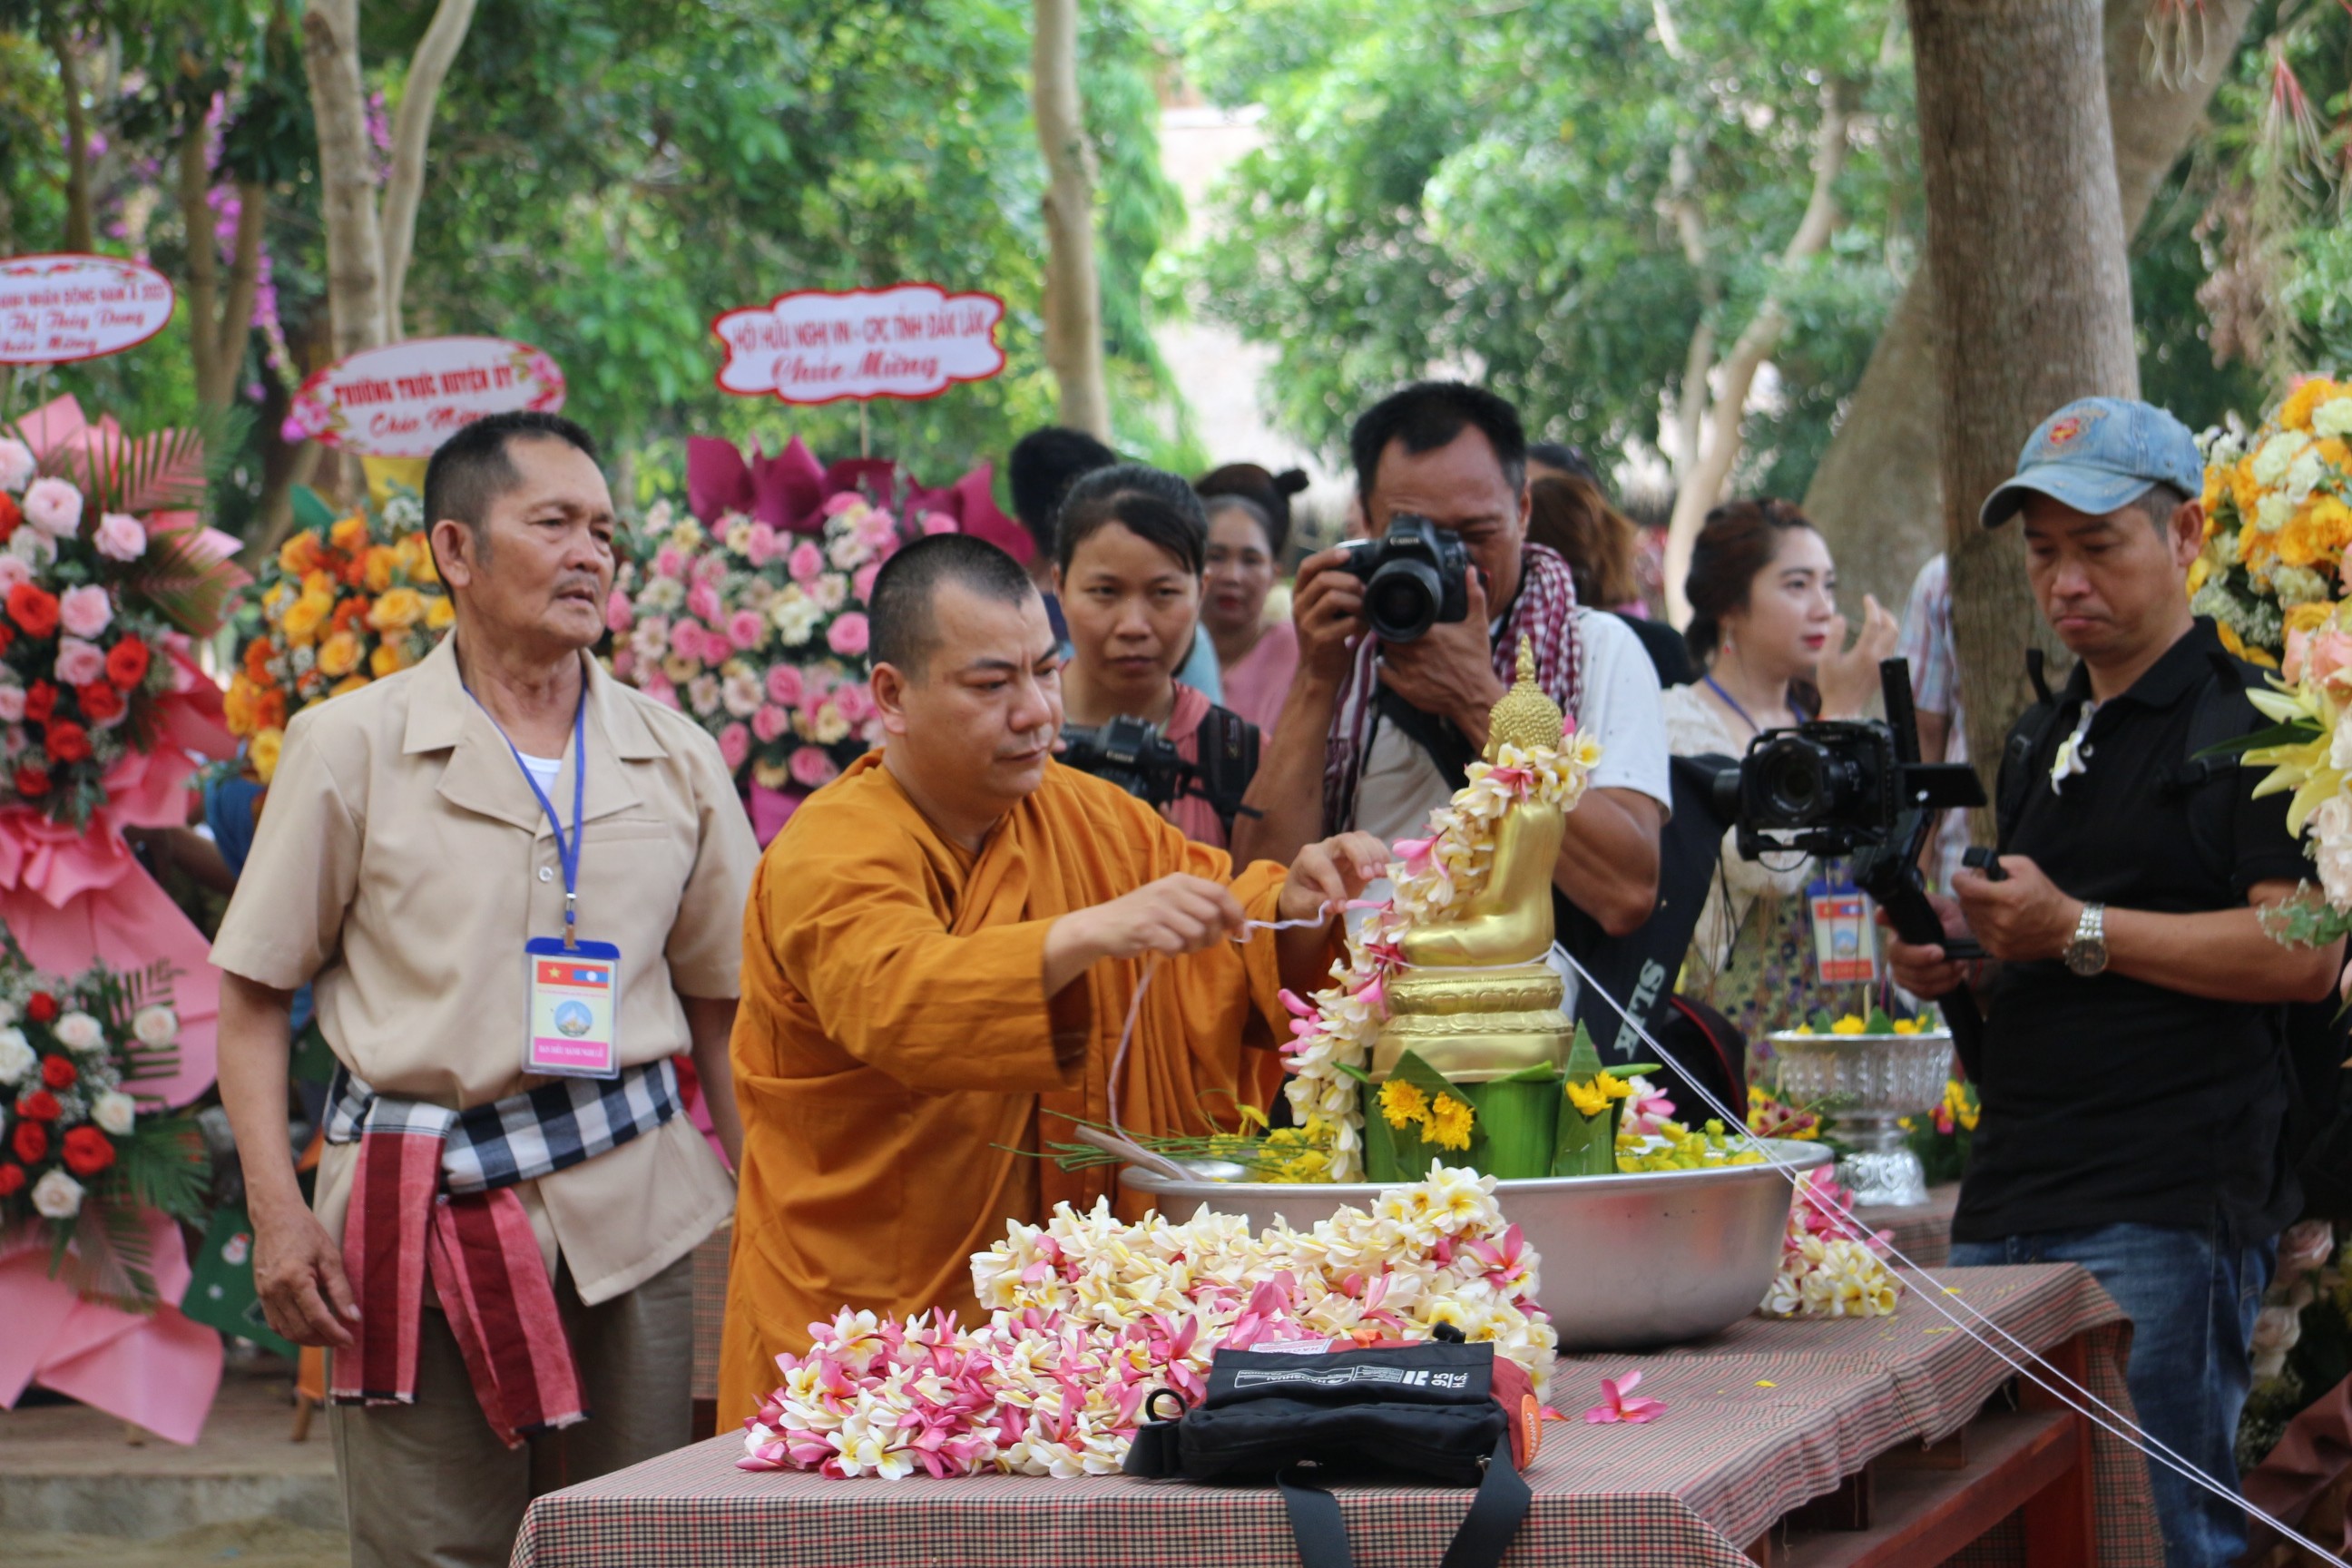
(966, 677)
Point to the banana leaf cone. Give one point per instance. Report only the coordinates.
(1390, 1152)
(1585, 1145)
(1518, 1125)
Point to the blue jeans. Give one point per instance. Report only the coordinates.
(2192, 1297)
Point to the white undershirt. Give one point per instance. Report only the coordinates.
(543, 769)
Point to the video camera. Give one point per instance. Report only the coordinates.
(1131, 754)
(1842, 787)
(1414, 575)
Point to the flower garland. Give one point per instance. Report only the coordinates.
(343, 604)
(102, 567)
(1088, 1315)
(82, 1156)
(1333, 1032)
(1830, 1268)
(758, 635)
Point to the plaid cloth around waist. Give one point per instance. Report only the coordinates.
(522, 1137)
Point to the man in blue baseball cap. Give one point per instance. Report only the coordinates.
(2134, 1069)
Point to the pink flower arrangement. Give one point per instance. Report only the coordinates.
(1088, 1315)
(759, 635)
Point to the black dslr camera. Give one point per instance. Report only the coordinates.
(1130, 754)
(1841, 787)
(1415, 576)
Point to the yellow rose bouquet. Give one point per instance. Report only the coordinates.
(345, 602)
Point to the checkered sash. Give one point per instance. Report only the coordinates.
(432, 1199)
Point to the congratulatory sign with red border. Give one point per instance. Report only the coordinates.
(68, 306)
(910, 340)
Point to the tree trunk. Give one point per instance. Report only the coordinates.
(2026, 239)
(1875, 496)
(1708, 462)
(410, 132)
(1073, 346)
(331, 52)
(79, 231)
(196, 176)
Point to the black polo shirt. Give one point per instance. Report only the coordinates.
(2113, 1100)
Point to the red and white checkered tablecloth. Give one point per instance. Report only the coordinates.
(1759, 1419)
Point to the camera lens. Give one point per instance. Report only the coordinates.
(1402, 600)
(1798, 781)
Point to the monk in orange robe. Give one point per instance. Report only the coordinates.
(940, 952)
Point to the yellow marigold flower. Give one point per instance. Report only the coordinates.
(1402, 1103)
(304, 617)
(236, 705)
(2309, 617)
(1906, 1025)
(1615, 1088)
(348, 683)
(378, 567)
(438, 612)
(2245, 488)
(1449, 1123)
(1849, 1025)
(2295, 414)
(338, 654)
(349, 534)
(397, 610)
(262, 752)
(1589, 1099)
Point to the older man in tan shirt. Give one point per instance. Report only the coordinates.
(499, 1254)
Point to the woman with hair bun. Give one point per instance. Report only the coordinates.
(1766, 632)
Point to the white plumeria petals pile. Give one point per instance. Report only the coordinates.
(1088, 1315)
(1830, 1268)
(1336, 1025)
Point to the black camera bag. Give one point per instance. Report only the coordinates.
(1429, 1412)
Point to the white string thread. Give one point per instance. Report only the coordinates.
(1151, 967)
(2121, 1426)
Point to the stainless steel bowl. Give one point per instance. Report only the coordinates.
(1626, 1262)
(1872, 1082)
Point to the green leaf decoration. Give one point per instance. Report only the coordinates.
(1413, 1070)
(1541, 1072)
(310, 509)
(1878, 1023)
(1583, 1057)
(1518, 1125)
(186, 582)
(2296, 732)
(1823, 1022)
(1391, 1154)
(1584, 1145)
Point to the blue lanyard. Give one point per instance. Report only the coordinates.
(1733, 703)
(567, 850)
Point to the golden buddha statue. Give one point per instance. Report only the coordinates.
(1476, 1000)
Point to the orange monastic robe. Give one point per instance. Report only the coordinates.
(894, 1045)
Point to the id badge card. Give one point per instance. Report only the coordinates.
(572, 1003)
(1845, 936)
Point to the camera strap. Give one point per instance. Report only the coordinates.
(1447, 747)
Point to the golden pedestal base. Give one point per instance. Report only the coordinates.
(1474, 1025)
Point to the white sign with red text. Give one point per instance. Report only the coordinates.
(403, 400)
(911, 340)
(57, 308)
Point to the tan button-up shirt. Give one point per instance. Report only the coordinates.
(402, 862)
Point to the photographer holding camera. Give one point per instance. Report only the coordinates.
(1131, 545)
(2134, 1072)
(1406, 642)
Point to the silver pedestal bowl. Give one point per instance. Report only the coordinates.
(1626, 1262)
(1873, 1082)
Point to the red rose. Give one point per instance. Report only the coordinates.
(32, 783)
(40, 701)
(68, 741)
(126, 663)
(12, 1180)
(57, 1072)
(34, 609)
(7, 635)
(99, 702)
(31, 1141)
(11, 514)
(41, 1008)
(38, 1106)
(88, 1150)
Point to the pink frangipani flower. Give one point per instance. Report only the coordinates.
(1616, 1406)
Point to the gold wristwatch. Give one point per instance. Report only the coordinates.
(2087, 954)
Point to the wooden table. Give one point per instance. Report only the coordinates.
(1870, 1441)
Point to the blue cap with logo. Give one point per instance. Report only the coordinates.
(2097, 454)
